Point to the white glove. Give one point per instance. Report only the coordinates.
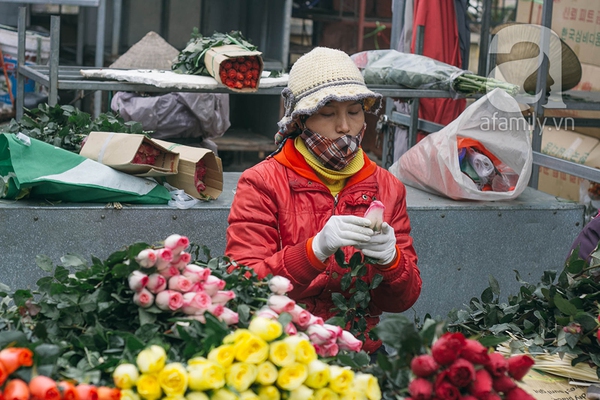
(339, 231)
(382, 246)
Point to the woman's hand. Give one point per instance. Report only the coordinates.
(339, 231)
(382, 246)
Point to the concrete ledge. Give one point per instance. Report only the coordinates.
(459, 243)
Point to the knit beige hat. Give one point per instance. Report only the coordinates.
(322, 75)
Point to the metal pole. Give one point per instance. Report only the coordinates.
(540, 89)
(116, 31)
(99, 62)
(54, 60)
(80, 35)
(486, 18)
(361, 24)
(414, 103)
(397, 23)
(21, 62)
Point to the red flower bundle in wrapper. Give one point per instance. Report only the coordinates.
(460, 368)
(199, 176)
(240, 72)
(146, 154)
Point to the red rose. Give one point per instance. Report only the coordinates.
(518, 366)
(423, 366)
(497, 365)
(420, 389)
(468, 397)
(493, 396)
(446, 390)
(482, 386)
(447, 348)
(503, 384)
(475, 352)
(518, 394)
(461, 372)
(598, 334)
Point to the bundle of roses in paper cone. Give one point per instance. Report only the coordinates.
(461, 368)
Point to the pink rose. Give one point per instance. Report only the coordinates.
(177, 243)
(375, 214)
(229, 316)
(156, 283)
(212, 285)
(146, 258)
(180, 283)
(420, 389)
(424, 366)
(475, 352)
(195, 273)
(280, 285)
(327, 349)
(318, 334)
(348, 342)
(137, 281)
(266, 312)
(163, 258)
(300, 316)
(169, 300)
(181, 260)
(280, 303)
(336, 331)
(169, 271)
(223, 296)
(518, 366)
(195, 302)
(216, 309)
(143, 298)
(290, 329)
(447, 348)
(461, 372)
(314, 320)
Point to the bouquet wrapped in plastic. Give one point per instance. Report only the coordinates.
(414, 71)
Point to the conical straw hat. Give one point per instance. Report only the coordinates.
(517, 57)
(151, 52)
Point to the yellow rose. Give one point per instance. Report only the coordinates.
(173, 379)
(292, 376)
(128, 394)
(318, 374)
(196, 396)
(125, 376)
(267, 329)
(223, 394)
(148, 387)
(252, 349)
(236, 336)
(268, 393)
(196, 360)
(340, 379)
(205, 375)
(301, 393)
(353, 394)
(249, 395)
(367, 384)
(303, 349)
(325, 394)
(281, 353)
(267, 373)
(152, 359)
(241, 375)
(223, 355)
(174, 397)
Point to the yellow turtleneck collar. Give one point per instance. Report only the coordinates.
(334, 180)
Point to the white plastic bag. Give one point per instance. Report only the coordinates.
(495, 121)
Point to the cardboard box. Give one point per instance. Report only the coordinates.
(543, 386)
(577, 22)
(189, 157)
(218, 55)
(524, 11)
(568, 145)
(118, 151)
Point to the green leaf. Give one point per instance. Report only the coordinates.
(488, 295)
(376, 281)
(339, 301)
(564, 305)
(587, 321)
(494, 285)
(73, 261)
(44, 262)
(346, 281)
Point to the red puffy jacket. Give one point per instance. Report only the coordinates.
(280, 205)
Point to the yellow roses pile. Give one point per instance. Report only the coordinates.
(258, 363)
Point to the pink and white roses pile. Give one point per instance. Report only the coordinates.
(168, 281)
(460, 368)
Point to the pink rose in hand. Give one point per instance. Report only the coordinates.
(163, 258)
(348, 342)
(223, 296)
(169, 300)
(137, 281)
(180, 283)
(143, 298)
(195, 302)
(229, 316)
(280, 285)
(300, 316)
(280, 304)
(375, 214)
(177, 243)
(181, 260)
(213, 284)
(146, 258)
(156, 283)
(196, 273)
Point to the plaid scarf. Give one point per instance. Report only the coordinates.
(333, 154)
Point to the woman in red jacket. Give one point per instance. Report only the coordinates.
(294, 210)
